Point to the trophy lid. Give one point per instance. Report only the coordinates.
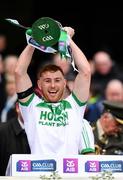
(46, 31)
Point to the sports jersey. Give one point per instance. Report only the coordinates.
(56, 128)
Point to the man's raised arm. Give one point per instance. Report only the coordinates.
(23, 81)
(82, 81)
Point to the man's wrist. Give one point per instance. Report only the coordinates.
(30, 47)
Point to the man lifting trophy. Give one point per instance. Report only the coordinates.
(54, 123)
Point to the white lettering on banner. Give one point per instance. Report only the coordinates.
(24, 169)
(43, 26)
(72, 169)
(92, 169)
(47, 38)
(111, 165)
(43, 165)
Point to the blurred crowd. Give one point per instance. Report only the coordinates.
(106, 85)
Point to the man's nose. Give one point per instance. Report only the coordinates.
(52, 84)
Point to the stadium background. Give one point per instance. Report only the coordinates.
(97, 25)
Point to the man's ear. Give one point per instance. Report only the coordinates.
(65, 83)
(39, 84)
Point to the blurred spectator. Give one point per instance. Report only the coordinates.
(64, 64)
(105, 70)
(2, 84)
(7, 66)
(8, 110)
(108, 130)
(3, 43)
(94, 95)
(10, 64)
(1, 67)
(92, 65)
(113, 92)
(13, 140)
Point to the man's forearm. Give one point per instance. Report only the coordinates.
(80, 59)
(23, 81)
(82, 81)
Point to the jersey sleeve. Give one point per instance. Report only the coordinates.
(27, 108)
(86, 139)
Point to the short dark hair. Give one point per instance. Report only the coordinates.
(50, 68)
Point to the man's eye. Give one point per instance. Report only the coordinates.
(57, 80)
(47, 80)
